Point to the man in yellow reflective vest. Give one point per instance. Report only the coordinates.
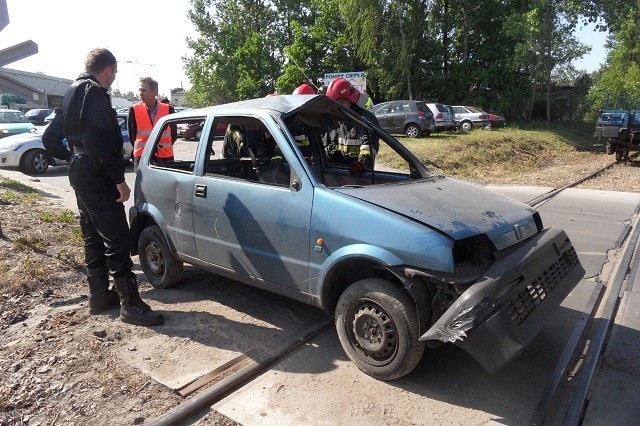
(143, 116)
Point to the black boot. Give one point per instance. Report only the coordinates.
(132, 309)
(100, 297)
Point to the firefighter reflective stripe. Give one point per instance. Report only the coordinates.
(144, 127)
(349, 147)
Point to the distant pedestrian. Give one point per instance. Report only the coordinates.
(96, 173)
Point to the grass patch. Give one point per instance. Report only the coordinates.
(66, 216)
(502, 153)
(14, 192)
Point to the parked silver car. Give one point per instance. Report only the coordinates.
(401, 256)
(445, 120)
(468, 117)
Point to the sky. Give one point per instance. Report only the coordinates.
(593, 60)
(148, 37)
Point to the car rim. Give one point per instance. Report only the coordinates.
(155, 260)
(413, 132)
(373, 333)
(40, 162)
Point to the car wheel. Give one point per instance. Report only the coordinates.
(619, 156)
(412, 131)
(197, 135)
(36, 162)
(157, 263)
(489, 126)
(465, 126)
(377, 325)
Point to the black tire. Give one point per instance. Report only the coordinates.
(197, 134)
(466, 126)
(375, 304)
(412, 130)
(36, 162)
(619, 156)
(158, 265)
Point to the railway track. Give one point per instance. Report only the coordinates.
(564, 399)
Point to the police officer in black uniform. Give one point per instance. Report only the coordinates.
(96, 173)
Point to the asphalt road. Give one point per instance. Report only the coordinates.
(319, 385)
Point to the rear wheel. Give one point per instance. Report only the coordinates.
(465, 126)
(412, 131)
(36, 162)
(377, 325)
(158, 265)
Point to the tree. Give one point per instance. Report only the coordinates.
(236, 55)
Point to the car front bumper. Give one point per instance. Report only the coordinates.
(501, 313)
(10, 158)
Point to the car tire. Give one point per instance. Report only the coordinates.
(375, 304)
(489, 126)
(36, 162)
(412, 130)
(158, 265)
(466, 126)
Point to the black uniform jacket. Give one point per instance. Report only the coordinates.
(91, 127)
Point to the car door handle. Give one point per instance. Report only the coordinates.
(201, 191)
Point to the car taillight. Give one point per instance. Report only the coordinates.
(439, 115)
(421, 115)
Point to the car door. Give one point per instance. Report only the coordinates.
(381, 111)
(252, 225)
(396, 117)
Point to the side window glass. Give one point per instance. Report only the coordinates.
(381, 109)
(244, 148)
(175, 147)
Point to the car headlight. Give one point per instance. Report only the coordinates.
(4, 130)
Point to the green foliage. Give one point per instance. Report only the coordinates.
(499, 55)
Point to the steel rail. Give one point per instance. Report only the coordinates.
(221, 389)
(584, 325)
(602, 328)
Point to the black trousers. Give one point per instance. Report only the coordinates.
(105, 231)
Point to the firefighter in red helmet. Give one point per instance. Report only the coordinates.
(304, 89)
(357, 144)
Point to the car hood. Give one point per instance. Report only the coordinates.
(454, 208)
(20, 138)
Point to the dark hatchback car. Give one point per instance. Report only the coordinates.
(37, 115)
(413, 118)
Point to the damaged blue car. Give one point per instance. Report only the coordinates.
(403, 257)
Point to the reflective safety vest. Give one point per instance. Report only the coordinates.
(144, 127)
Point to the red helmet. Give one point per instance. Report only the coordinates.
(304, 89)
(341, 88)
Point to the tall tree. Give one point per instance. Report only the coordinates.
(236, 55)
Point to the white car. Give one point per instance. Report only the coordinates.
(26, 151)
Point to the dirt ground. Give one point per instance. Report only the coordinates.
(58, 364)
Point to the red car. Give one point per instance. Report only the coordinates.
(495, 121)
